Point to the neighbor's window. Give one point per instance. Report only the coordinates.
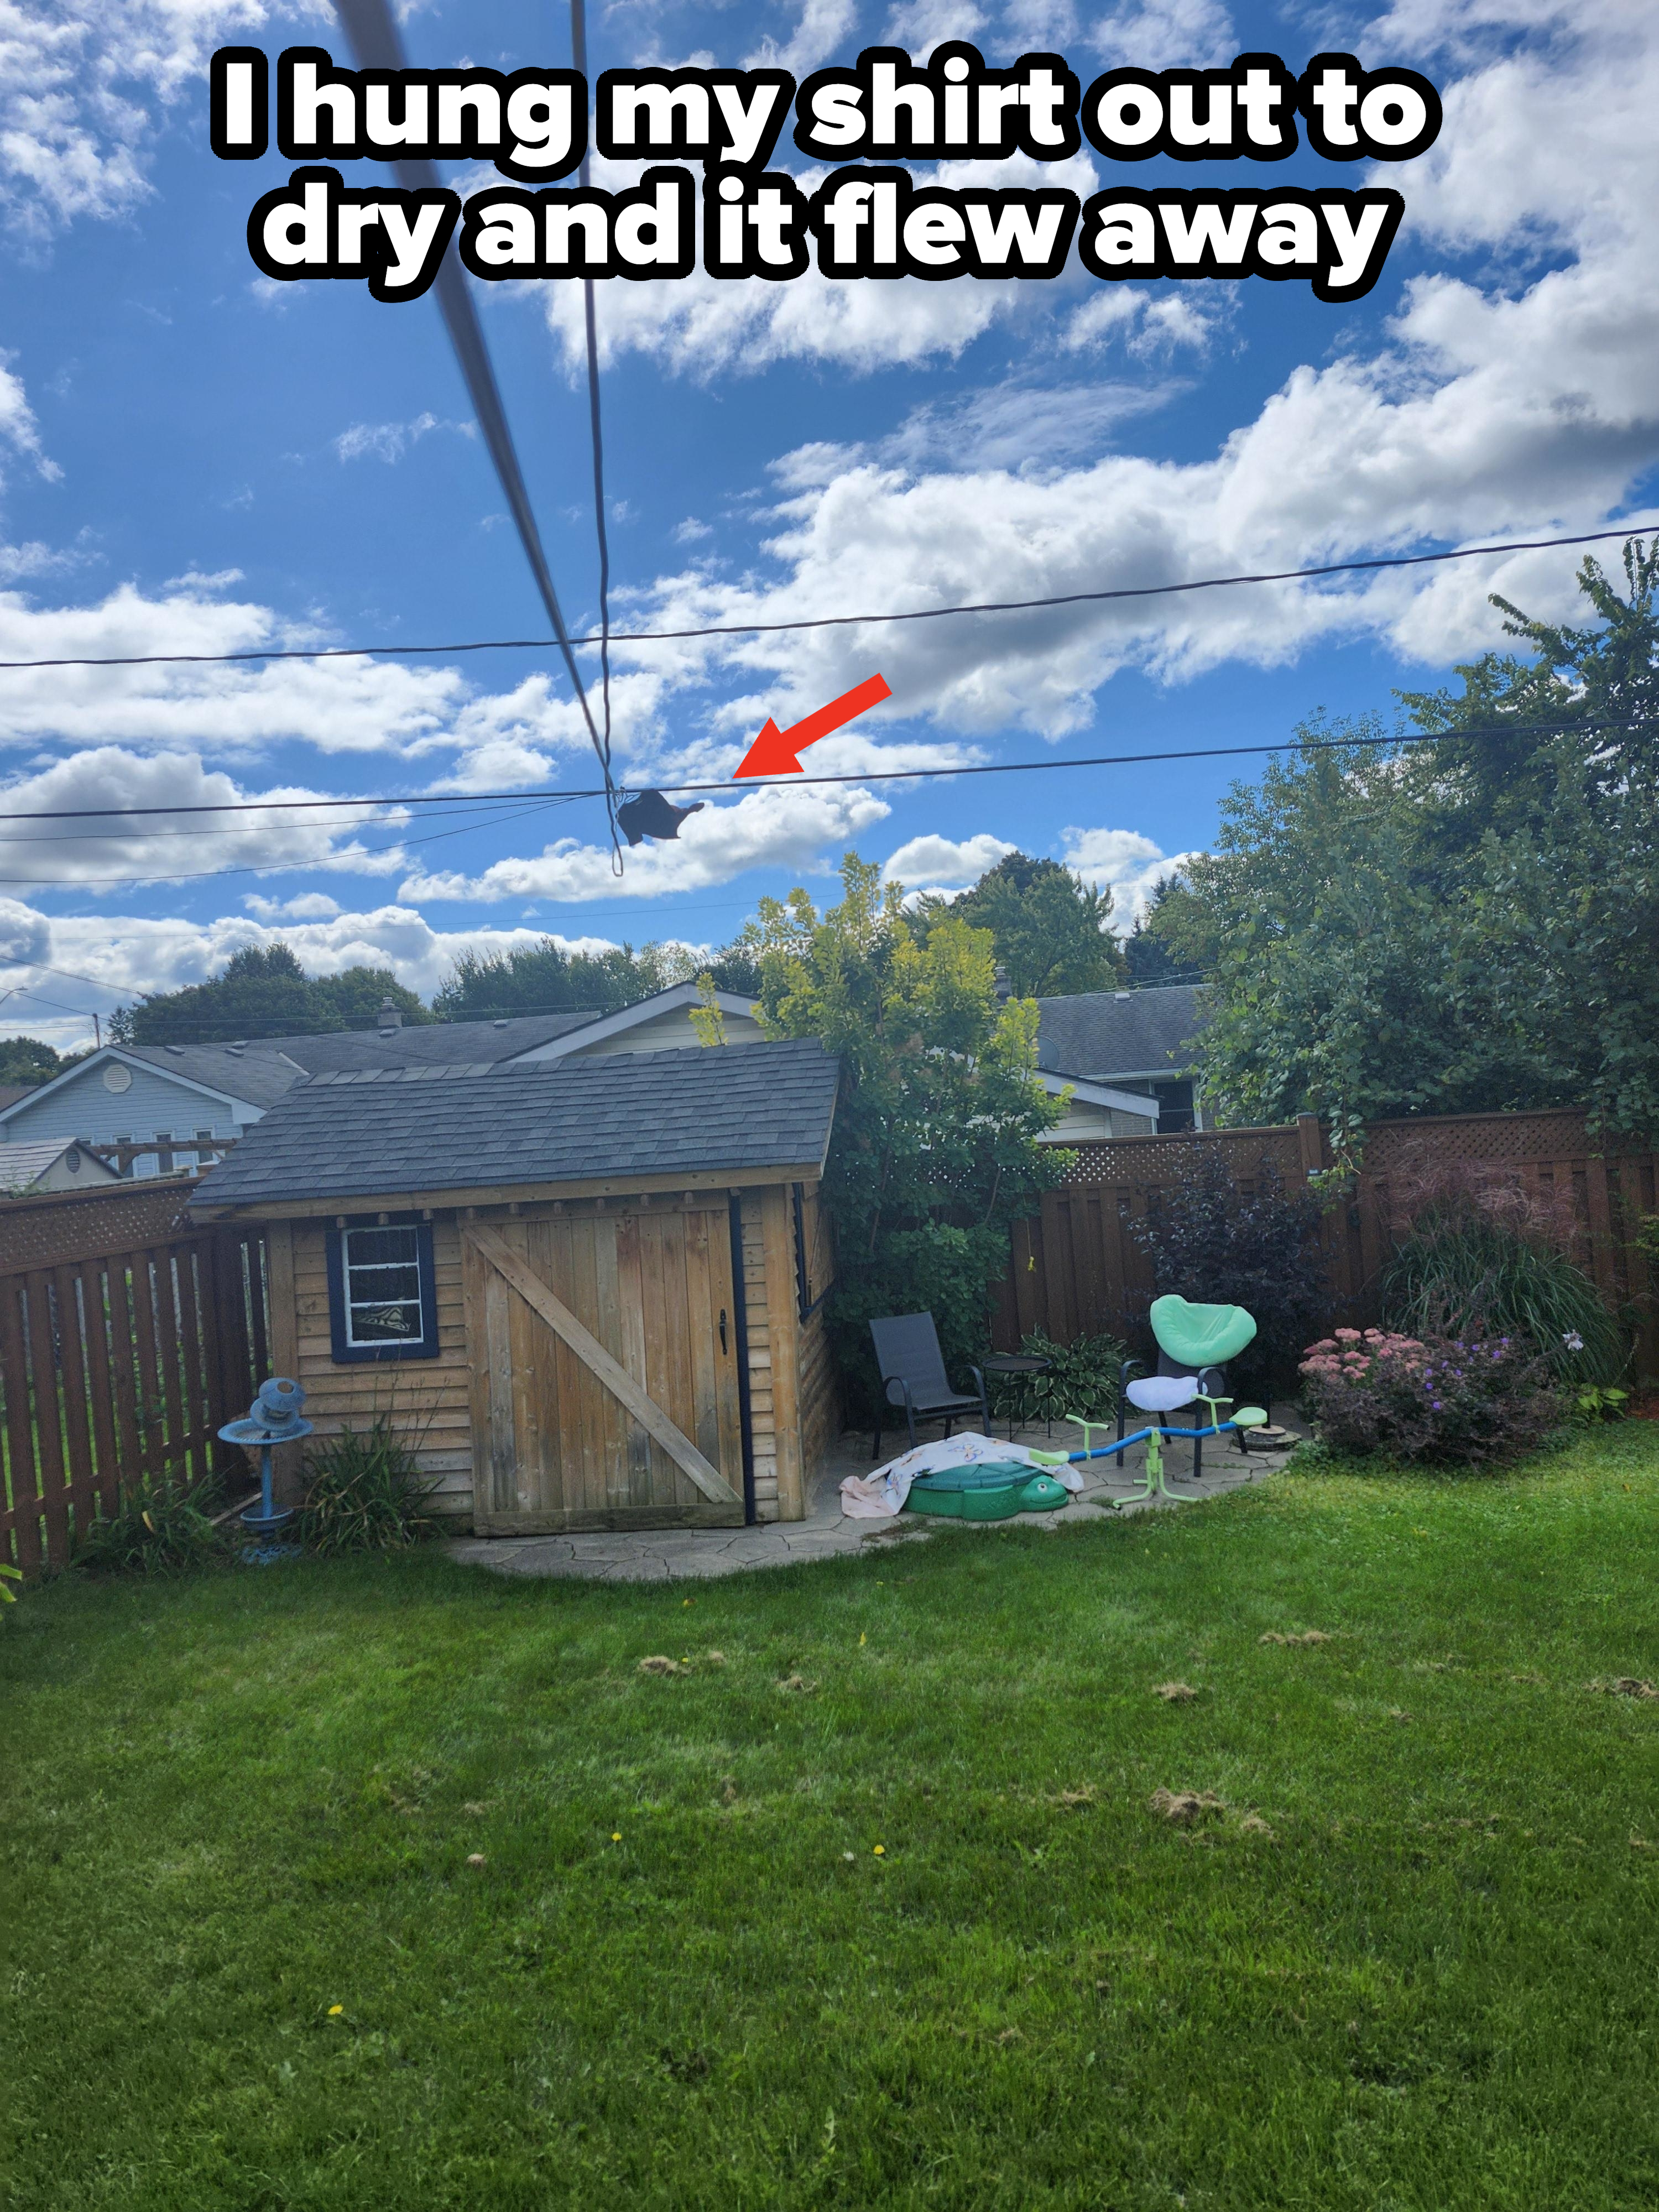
(382, 1298)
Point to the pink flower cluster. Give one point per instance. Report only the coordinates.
(1466, 1403)
(1352, 1355)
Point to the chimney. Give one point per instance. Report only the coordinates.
(392, 1016)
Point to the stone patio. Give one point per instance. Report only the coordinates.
(668, 1555)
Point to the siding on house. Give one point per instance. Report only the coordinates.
(1083, 1120)
(82, 1106)
(663, 1030)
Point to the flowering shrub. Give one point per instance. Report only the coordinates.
(1429, 1398)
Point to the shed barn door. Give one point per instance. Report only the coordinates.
(604, 1358)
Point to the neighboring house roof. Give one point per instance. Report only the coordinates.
(259, 1073)
(602, 1029)
(1104, 1036)
(11, 1093)
(22, 1166)
(1098, 1094)
(362, 1134)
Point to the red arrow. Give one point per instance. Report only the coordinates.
(773, 751)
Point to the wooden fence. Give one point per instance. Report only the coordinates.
(1077, 1269)
(127, 1335)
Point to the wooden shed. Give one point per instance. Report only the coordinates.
(588, 1295)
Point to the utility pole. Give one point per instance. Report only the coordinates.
(97, 1034)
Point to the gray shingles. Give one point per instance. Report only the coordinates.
(266, 1068)
(363, 1133)
(1097, 1034)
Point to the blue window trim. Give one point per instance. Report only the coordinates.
(424, 1346)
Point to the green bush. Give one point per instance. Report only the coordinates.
(1466, 1271)
(8, 1575)
(162, 1525)
(949, 1271)
(1212, 1244)
(1082, 1379)
(364, 1492)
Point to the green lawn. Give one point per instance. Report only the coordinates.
(245, 1964)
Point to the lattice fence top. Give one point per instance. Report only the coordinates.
(1441, 1140)
(58, 1229)
(1160, 1161)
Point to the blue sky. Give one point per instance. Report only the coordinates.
(193, 458)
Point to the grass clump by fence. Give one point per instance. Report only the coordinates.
(1468, 1270)
(364, 1492)
(163, 1524)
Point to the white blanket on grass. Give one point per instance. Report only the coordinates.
(877, 1496)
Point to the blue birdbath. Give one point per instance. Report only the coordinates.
(274, 1418)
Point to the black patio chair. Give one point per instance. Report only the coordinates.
(913, 1368)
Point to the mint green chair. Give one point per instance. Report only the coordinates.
(1197, 1337)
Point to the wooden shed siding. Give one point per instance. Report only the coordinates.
(820, 1408)
(762, 1411)
(429, 1399)
(790, 1374)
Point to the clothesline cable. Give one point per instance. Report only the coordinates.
(596, 439)
(374, 38)
(1500, 730)
(814, 621)
(161, 873)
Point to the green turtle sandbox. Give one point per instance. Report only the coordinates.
(991, 1490)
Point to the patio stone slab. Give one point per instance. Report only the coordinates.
(699, 1555)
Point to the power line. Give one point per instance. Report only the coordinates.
(165, 875)
(816, 622)
(871, 776)
(374, 36)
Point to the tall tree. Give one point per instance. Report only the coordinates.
(1052, 931)
(1461, 927)
(1149, 955)
(27, 1060)
(262, 992)
(936, 1146)
(545, 979)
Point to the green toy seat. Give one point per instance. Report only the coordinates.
(1201, 1336)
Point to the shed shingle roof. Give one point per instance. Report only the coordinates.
(1097, 1034)
(373, 1132)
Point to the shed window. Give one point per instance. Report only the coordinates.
(382, 1298)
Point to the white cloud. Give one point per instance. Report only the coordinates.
(74, 75)
(18, 427)
(338, 706)
(1020, 426)
(706, 326)
(194, 580)
(825, 26)
(390, 441)
(1125, 863)
(1158, 35)
(940, 862)
(777, 826)
(1518, 404)
(918, 26)
(96, 853)
(309, 906)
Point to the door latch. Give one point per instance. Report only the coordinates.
(722, 1328)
